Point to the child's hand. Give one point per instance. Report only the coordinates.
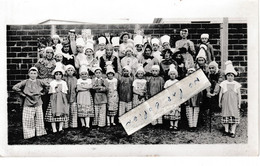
(181, 65)
(239, 106)
(219, 105)
(209, 95)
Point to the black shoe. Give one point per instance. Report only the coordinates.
(225, 134)
(232, 135)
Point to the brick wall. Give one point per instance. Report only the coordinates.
(22, 45)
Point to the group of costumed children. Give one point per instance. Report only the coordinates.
(73, 85)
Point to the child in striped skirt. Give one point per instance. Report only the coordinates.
(31, 89)
(58, 109)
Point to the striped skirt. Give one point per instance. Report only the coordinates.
(124, 107)
(230, 120)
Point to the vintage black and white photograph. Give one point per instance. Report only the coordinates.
(158, 81)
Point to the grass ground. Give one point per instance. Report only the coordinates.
(117, 135)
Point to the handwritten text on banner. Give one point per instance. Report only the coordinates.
(164, 101)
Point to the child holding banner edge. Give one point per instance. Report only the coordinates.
(230, 101)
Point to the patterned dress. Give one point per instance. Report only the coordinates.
(175, 113)
(58, 109)
(139, 85)
(112, 97)
(230, 110)
(84, 98)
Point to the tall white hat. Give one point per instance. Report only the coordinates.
(80, 42)
(156, 41)
(101, 40)
(201, 54)
(173, 69)
(138, 39)
(230, 68)
(89, 45)
(58, 68)
(165, 38)
(115, 41)
(204, 35)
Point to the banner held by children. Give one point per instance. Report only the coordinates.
(163, 102)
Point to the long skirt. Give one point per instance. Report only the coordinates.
(100, 115)
(33, 124)
(112, 104)
(192, 114)
(124, 107)
(58, 109)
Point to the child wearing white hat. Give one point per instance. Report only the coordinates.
(100, 98)
(187, 48)
(138, 42)
(58, 109)
(201, 61)
(204, 40)
(84, 98)
(32, 114)
(215, 77)
(101, 47)
(71, 81)
(156, 49)
(56, 43)
(155, 86)
(230, 101)
(193, 107)
(80, 44)
(129, 59)
(139, 87)
(174, 115)
(125, 91)
(112, 96)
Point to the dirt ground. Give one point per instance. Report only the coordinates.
(117, 135)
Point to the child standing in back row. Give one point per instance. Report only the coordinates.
(230, 101)
(32, 89)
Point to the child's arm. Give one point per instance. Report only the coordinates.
(19, 86)
(136, 91)
(76, 62)
(220, 97)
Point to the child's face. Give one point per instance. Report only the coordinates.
(212, 69)
(49, 54)
(84, 75)
(167, 56)
(201, 61)
(110, 76)
(166, 45)
(101, 47)
(33, 74)
(55, 40)
(155, 72)
(125, 38)
(148, 51)
(140, 75)
(125, 73)
(72, 35)
(129, 53)
(155, 47)
(80, 49)
(184, 34)
(88, 52)
(58, 75)
(139, 47)
(70, 71)
(66, 48)
(172, 75)
(98, 73)
(58, 58)
(109, 51)
(230, 77)
(204, 40)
